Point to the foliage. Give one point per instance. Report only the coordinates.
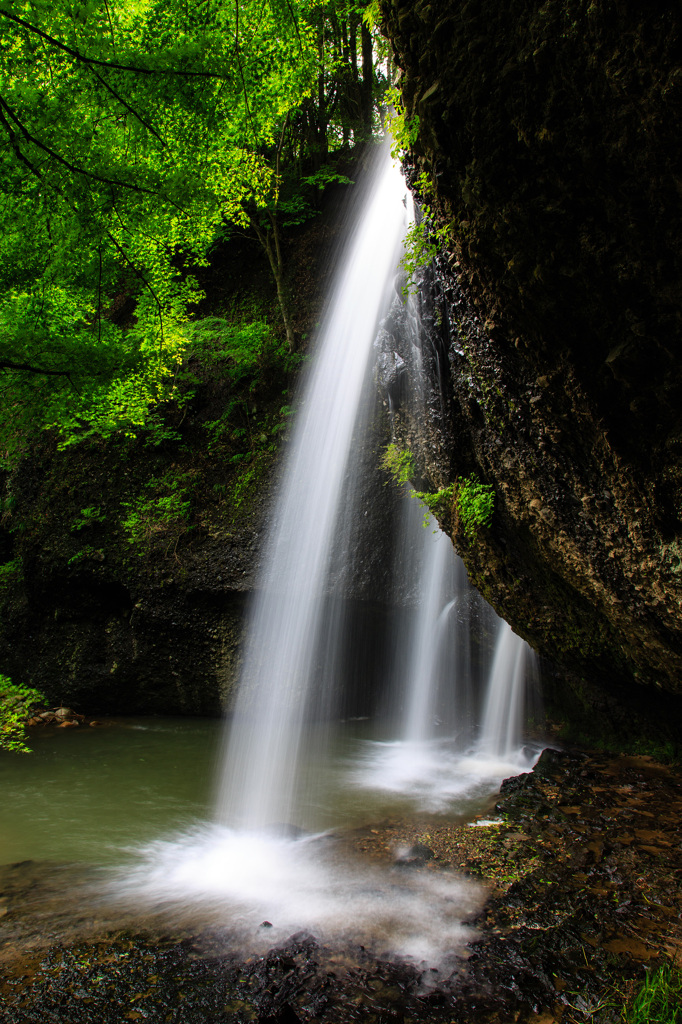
(372, 14)
(86, 554)
(87, 517)
(16, 702)
(399, 463)
(404, 129)
(327, 175)
(130, 133)
(423, 241)
(659, 1001)
(163, 516)
(251, 476)
(437, 502)
(475, 502)
(243, 351)
(10, 572)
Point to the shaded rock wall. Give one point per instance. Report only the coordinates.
(549, 131)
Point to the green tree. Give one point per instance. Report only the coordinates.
(341, 109)
(16, 703)
(129, 133)
(132, 132)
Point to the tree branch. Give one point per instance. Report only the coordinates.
(239, 63)
(15, 146)
(10, 364)
(127, 106)
(104, 63)
(111, 27)
(145, 282)
(293, 18)
(72, 167)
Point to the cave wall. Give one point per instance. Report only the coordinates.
(550, 132)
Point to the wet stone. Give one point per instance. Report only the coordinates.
(415, 856)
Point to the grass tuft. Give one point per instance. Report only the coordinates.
(659, 1001)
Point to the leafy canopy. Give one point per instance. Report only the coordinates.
(130, 130)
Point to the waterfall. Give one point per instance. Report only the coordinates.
(429, 635)
(261, 781)
(268, 883)
(436, 759)
(503, 711)
(422, 665)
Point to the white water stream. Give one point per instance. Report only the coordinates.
(425, 646)
(261, 779)
(501, 735)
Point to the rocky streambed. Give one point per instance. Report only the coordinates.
(582, 859)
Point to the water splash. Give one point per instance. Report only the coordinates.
(309, 883)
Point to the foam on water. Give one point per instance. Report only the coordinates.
(242, 879)
(434, 774)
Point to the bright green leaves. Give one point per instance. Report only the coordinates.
(15, 705)
(404, 129)
(129, 133)
(399, 463)
(423, 240)
(472, 501)
(475, 502)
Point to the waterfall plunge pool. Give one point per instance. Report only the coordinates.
(95, 795)
(133, 800)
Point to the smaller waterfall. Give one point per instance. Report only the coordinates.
(428, 634)
(442, 656)
(439, 762)
(505, 700)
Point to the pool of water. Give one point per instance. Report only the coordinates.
(88, 794)
(115, 826)
(96, 795)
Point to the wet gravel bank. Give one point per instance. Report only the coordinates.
(584, 864)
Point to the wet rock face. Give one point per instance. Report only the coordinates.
(114, 628)
(548, 131)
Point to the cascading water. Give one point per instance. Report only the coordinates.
(438, 757)
(420, 707)
(237, 868)
(504, 702)
(261, 774)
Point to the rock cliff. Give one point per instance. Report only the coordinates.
(550, 132)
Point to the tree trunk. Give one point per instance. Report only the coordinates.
(367, 79)
(265, 237)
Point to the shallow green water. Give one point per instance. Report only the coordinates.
(86, 793)
(95, 795)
